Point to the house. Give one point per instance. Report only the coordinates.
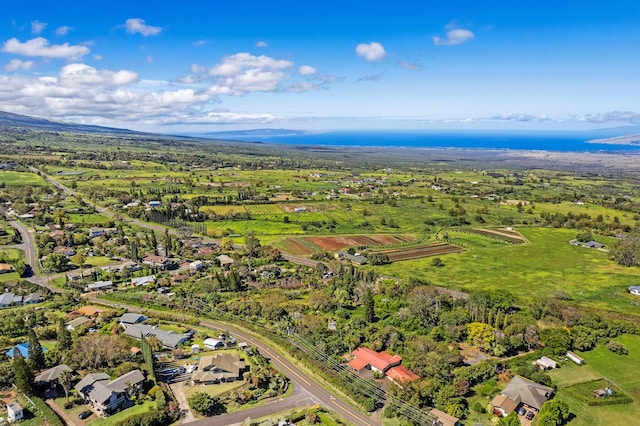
(196, 266)
(97, 232)
(65, 251)
(149, 279)
(14, 412)
(355, 259)
(224, 260)
(31, 298)
(381, 362)
(440, 418)
(131, 318)
(300, 210)
(635, 290)
(218, 369)
(105, 395)
(99, 285)
(50, 377)
(195, 349)
(155, 203)
(23, 348)
(8, 299)
(157, 261)
(169, 339)
(520, 391)
(77, 322)
(213, 344)
(594, 245)
(545, 363)
(575, 358)
(243, 346)
(5, 268)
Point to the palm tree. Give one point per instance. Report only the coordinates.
(65, 379)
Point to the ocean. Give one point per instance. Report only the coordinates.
(546, 141)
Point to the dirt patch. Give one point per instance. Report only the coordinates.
(294, 246)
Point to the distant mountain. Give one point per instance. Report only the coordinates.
(256, 133)
(8, 119)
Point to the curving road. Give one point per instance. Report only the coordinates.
(302, 381)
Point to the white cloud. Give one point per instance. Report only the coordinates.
(81, 93)
(149, 59)
(37, 27)
(63, 30)
(138, 26)
(307, 70)
(199, 43)
(408, 65)
(373, 51)
(97, 57)
(373, 77)
(17, 64)
(40, 47)
(622, 116)
(243, 73)
(454, 36)
(261, 43)
(77, 75)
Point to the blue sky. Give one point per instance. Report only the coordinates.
(206, 66)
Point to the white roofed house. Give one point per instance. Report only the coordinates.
(149, 279)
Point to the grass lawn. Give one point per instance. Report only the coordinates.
(213, 390)
(98, 261)
(603, 364)
(111, 420)
(118, 417)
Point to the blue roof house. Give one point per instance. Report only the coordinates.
(23, 348)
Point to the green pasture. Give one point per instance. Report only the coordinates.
(603, 364)
(19, 179)
(89, 219)
(540, 269)
(222, 210)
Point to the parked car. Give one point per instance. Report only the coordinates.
(530, 415)
(85, 414)
(522, 411)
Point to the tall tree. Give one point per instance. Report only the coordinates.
(23, 376)
(167, 242)
(65, 379)
(369, 305)
(252, 244)
(36, 356)
(64, 337)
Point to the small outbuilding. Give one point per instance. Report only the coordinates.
(213, 344)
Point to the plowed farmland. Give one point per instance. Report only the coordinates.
(418, 251)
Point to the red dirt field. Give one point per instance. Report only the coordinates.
(418, 251)
(303, 246)
(341, 242)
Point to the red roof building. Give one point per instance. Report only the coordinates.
(381, 362)
(401, 374)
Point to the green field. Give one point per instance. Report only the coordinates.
(546, 266)
(603, 364)
(18, 179)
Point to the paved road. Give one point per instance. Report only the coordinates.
(300, 379)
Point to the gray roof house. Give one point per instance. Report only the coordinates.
(131, 318)
(529, 392)
(168, 339)
(221, 368)
(77, 322)
(106, 396)
(31, 298)
(51, 375)
(99, 285)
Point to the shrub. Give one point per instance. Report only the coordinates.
(617, 348)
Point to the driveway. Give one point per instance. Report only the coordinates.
(178, 392)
